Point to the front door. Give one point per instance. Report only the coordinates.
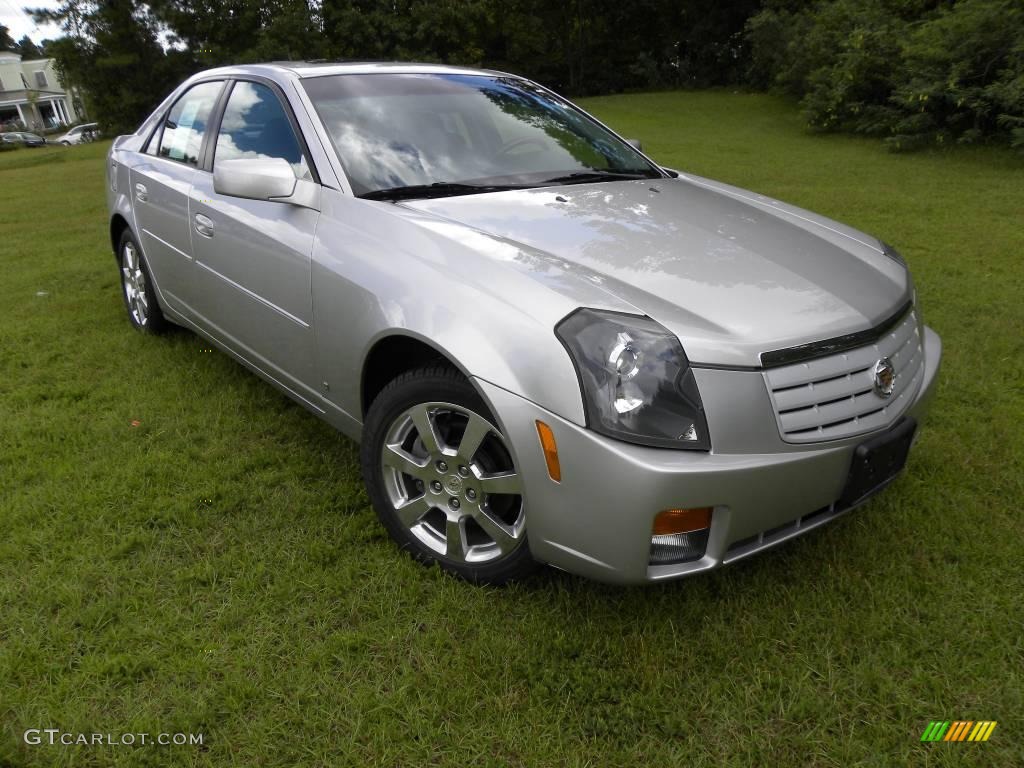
(253, 256)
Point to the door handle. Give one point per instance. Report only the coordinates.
(141, 193)
(204, 225)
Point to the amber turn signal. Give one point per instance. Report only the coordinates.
(670, 521)
(547, 443)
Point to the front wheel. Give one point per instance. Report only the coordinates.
(442, 479)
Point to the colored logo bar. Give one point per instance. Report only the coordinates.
(958, 730)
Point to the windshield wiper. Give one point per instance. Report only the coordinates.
(451, 188)
(582, 177)
(437, 189)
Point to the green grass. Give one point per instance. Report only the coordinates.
(217, 569)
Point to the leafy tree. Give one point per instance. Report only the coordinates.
(916, 71)
(218, 32)
(6, 41)
(111, 51)
(963, 75)
(578, 46)
(28, 49)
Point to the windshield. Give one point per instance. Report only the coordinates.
(457, 133)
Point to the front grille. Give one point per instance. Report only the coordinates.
(833, 397)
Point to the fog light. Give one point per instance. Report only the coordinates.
(680, 535)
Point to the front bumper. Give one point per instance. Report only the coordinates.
(597, 521)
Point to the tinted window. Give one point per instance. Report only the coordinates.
(255, 126)
(186, 123)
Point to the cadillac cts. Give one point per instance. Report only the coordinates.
(551, 349)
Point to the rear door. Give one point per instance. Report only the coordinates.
(253, 256)
(160, 185)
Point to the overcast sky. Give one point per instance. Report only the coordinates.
(20, 23)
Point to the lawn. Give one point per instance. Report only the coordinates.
(185, 550)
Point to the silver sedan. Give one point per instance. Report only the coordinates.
(551, 349)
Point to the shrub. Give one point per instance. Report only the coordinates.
(917, 71)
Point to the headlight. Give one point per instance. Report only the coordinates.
(636, 381)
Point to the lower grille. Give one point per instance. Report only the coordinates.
(833, 397)
(759, 541)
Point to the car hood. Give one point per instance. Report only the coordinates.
(732, 273)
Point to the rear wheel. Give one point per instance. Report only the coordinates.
(442, 479)
(137, 288)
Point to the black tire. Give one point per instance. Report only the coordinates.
(152, 320)
(439, 383)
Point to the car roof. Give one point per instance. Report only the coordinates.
(304, 69)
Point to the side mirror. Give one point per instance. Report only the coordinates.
(269, 178)
(635, 144)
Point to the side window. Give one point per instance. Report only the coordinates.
(185, 124)
(255, 126)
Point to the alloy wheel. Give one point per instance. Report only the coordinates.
(134, 280)
(452, 482)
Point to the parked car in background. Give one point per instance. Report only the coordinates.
(21, 137)
(551, 348)
(80, 134)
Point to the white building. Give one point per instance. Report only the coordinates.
(31, 92)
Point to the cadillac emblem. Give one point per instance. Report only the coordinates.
(453, 484)
(885, 377)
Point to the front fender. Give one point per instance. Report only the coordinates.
(379, 270)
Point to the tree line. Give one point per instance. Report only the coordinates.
(25, 47)
(915, 72)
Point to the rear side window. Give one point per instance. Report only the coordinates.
(255, 126)
(185, 124)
